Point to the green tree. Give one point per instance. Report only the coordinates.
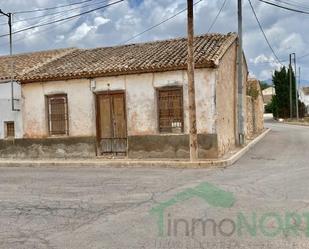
(281, 101)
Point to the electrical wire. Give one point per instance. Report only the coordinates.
(156, 25)
(216, 18)
(294, 4)
(51, 8)
(55, 13)
(283, 7)
(262, 30)
(63, 19)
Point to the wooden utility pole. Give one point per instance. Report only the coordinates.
(191, 88)
(291, 99)
(240, 90)
(9, 16)
(296, 88)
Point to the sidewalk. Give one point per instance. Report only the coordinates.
(228, 160)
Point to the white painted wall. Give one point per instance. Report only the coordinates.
(269, 91)
(141, 102)
(6, 113)
(304, 98)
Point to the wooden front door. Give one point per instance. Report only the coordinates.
(112, 126)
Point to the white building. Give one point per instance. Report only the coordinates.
(304, 96)
(11, 120)
(268, 94)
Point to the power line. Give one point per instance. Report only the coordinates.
(216, 18)
(294, 4)
(156, 25)
(55, 13)
(51, 8)
(63, 19)
(262, 30)
(286, 8)
(37, 32)
(303, 56)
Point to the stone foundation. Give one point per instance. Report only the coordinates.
(68, 147)
(149, 146)
(171, 146)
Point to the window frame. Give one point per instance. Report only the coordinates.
(166, 89)
(48, 113)
(6, 135)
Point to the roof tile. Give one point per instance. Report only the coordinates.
(134, 58)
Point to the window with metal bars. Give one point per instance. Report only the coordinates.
(10, 129)
(170, 110)
(58, 114)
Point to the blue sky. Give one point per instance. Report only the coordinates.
(286, 31)
(135, 3)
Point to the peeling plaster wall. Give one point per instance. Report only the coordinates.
(141, 102)
(80, 106)
(226, 101)
(6, 113)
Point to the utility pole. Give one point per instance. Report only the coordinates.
(240, 138)
(296, 90)
(9, 16)
(191, 87)
(290, 74)
(298, 78)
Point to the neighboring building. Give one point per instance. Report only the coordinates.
(254, 108)
(132, 100)
(10, 121)
(10, 116)
(268, 94)
(304, 96)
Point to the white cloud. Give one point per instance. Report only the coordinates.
(286, 31)
(80, 33)
(100, 21)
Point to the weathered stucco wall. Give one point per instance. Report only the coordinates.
(6, 113)
(141, 102)
(226, 101)
(80, 105)
(141, 110)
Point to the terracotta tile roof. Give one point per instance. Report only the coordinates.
(28, 61)
(134, 58)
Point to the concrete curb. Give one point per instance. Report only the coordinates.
(125, 163)
(295, 124)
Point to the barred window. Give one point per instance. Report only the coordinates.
(9, 129)
(170, 110)
(58, 115)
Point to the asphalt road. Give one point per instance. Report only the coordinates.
(260, 202)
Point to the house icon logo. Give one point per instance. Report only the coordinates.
(211, 194)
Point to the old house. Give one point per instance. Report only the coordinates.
(131, 100)
(10, 92)
(268, 94)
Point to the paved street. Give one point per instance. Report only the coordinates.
(110, 208)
